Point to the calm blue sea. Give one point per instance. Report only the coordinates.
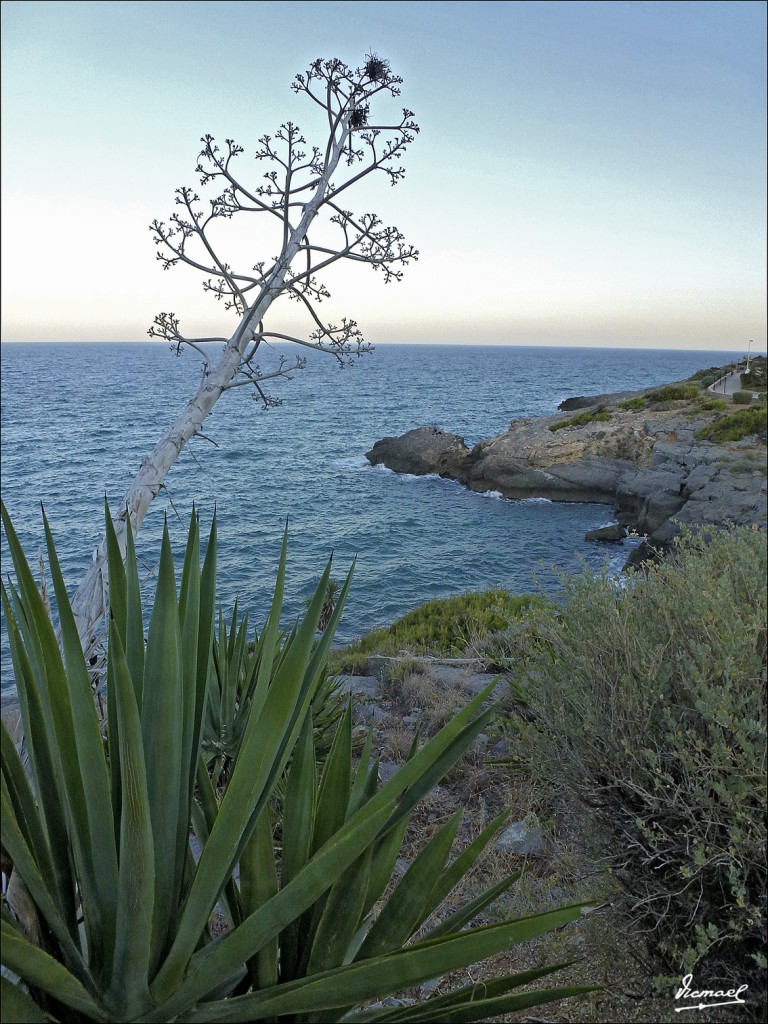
(78, 418)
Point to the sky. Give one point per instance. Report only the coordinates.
(587, 173)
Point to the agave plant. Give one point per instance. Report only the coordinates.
(108, 913)
(231, 687)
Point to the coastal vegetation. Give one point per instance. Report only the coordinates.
(442, 628)
(647, 702)
(756, 377)
(598, 414)
(736, 426)
(673, 393)
(650, 701)
(288, 909)
(670, 393)
(742, 397)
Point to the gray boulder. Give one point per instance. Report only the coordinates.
(523, 838)
(420, 451)
(612, 534)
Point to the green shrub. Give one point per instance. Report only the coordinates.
(441, 628)
(713, 372)
(651, 701)
(736, 426)
(674, 393)
(596, 415)
(707, 380)
(742, 398)
(638, 402)
(714, 404)
(755, 378)
(753, 464)
(107, 914)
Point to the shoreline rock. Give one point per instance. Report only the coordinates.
(646, 463)
(607, 534)
(420, 452)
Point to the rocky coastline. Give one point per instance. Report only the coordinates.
(647, 463)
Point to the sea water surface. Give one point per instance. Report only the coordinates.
(78, 418)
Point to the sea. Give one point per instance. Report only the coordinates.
(76, 420)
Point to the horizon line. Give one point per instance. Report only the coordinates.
(429, 344)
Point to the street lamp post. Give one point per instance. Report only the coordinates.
(749, 349)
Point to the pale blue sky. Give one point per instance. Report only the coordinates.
(587, 173)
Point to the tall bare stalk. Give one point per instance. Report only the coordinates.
(301, 194)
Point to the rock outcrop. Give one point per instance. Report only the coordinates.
(420, 451)
(610, 534)
(647, 464)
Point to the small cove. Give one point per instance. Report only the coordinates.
(77, 419)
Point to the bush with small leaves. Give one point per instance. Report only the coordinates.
(597, 415)
(742, 398)
(674, 393)
(713, 372)
(650, 699)
(736, 426)
(441, 628)
(638, 402)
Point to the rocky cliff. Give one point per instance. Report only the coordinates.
(647, 463)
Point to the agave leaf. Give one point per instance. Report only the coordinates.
(360, 787)
(162, 727)
(268, 641)
(405, 909)
(369, 979)
(24, 862)
(266, 748)
(129, 989)
(298, 826)
(485, 1009)
(50, 816)
(85, 776)
(341, 915)
(464, 915)
(384, 859)
(204, 644)
(118, 587)
(333, 797)
(490, 989)
(320, 651)
(479, 1002)
(40, 970)
(134, 618)
(16, 1007)
(457, 742)
(258, 884)
(217, 965)
(466, 859)
(200, 814)
(189, 625)
(22, 801)
(191, 563)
